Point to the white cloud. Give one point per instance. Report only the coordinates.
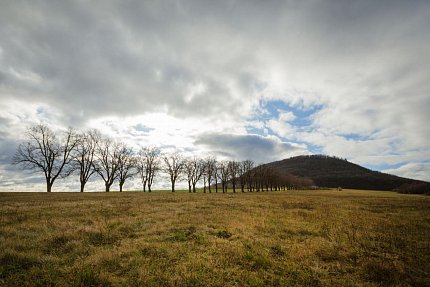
(286, 116)
(414, 170)
(261, 149)
(186, 68)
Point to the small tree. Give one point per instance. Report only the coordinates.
(217, 173)
(234, 172)
(46, 153)
(198, 170)
(107, 164)
(189, 171)
(142, 169)
(224, 174)
(126, 165)
(148, 165)
(210, 170)
(242, 176)
(84, 154)
(247, 167)
(257, 177)
(173, 166)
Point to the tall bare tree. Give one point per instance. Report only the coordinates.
(199, 169)
(126, 165)
(257, 177)
(107, 164)
(189, 172)
(234, 173)
(217, 172)
(224, 174)
(46, 153)
(210, 170)
(247, 167)
(194, 169)
(84, 156)
(242, 176)
(204, 180)
(173, 166)
(148, 165)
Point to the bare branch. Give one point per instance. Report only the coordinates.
(44, 152)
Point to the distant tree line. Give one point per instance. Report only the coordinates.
(89, 154)
(415, 187)
(324, 156)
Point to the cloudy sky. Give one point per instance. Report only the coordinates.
(264, 80)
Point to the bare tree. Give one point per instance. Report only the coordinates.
(107, 164)
(44, 152)
(257, 177)
(210, 170)
(194, 169)
(126, 165)
(265, 172)
(204, 180)
(234, 172)
(173, 166)
(224, 174)
(148, 165)
(84, 156)
(247, 167)
(189, 171)
(242, 175)
(217, 172)
(141, 167)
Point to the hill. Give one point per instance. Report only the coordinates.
(329, 171)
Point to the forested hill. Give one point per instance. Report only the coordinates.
(328, 171)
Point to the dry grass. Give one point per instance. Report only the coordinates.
(294, 238)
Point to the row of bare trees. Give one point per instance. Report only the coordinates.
(89, 153)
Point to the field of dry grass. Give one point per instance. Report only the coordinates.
(291, 238)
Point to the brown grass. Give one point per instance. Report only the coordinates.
(294, 238)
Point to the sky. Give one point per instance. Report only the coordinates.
(261, 80)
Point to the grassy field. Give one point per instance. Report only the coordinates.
(291, 238)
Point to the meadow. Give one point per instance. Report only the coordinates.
(288, 238)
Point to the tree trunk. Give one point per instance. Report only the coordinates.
(194, 187)
(107, 185)
(48, 186)
(216, 186)
(120, 186)
(149, 187)
(82, 186)
(204, 184)
(173, 186)
(189, 187)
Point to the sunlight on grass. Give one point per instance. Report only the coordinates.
(294, 238)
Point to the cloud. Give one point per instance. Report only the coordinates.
(416, 170)
(89, 60)
(241, 147)
(165, 72)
